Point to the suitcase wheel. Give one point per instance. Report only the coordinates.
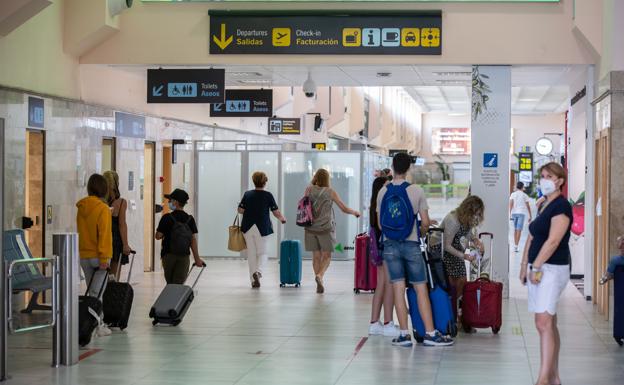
(154, 322)
(619, 340)
(298, 285)
(418, 338)
(356, 291)
(452, 329)
(176, 322)
(282, 285)
(495, 330)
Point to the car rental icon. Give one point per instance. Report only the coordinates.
(410, 37)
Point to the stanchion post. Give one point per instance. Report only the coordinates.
(65, 246)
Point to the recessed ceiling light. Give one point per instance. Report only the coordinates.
(254, 81)
(454, 73)
(244, 74)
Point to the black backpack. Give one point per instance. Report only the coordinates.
(181, 237)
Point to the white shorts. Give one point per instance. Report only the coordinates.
(544, 296)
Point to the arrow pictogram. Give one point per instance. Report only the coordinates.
(157, 91)
(222, 41)
(218, 107)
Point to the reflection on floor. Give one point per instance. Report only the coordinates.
(236, 335)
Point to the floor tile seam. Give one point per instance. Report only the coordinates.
(266, 357)
(350, 361)
(526, 349)
(591, 324)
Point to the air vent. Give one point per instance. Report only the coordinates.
(384, 74)
(244, 74)
(453, 74)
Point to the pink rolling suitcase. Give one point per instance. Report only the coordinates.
(365, 276)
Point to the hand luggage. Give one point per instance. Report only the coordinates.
(444, 319)
(482, 300)
(174, 301)
(89, 312)
(290, 263)
(365, 273)
(117, 300)
(618, 303)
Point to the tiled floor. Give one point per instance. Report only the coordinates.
(235, 335)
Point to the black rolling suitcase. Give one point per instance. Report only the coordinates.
(89, 312)
(117, 300)
(173, 302)
(618, 305)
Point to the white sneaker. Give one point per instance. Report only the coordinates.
(516, 249)
(391, 330)
(103, 331)
(376, 329)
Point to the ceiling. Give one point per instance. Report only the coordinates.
(444, 89)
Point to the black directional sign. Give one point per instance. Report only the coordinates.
(284, 126)
(185, 85)
(244, 103)
(356, 33)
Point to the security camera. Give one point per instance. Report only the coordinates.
(115, 7)
(309, 87)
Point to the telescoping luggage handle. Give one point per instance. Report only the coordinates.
(424, 247)
(132, 254)
(198, 275)
(107, 271)
(491, 235)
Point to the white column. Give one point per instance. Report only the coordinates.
(491, 141)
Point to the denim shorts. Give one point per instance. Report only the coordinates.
(404, 260)
(518, 220)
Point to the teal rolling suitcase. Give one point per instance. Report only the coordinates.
(290, 263)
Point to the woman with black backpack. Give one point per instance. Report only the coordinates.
(178, 232)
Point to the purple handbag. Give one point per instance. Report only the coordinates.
(375, 253)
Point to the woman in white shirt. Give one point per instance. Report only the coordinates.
(519, 208)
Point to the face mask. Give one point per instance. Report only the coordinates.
(547, 186)
(171, 206)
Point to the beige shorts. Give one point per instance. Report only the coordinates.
(319, 241)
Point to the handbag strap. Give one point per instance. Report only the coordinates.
(236, 221)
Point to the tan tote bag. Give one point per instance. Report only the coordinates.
(236, 241)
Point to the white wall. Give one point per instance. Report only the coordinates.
(527, 129)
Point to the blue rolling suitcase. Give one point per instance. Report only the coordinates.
(290, 263)
(618, 305)
(443, 316)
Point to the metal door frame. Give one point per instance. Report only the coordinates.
(3, 284)
(245, 170)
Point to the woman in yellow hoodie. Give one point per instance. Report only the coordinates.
(95, 240)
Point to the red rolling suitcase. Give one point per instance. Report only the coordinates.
(482, 304)
(365, 276)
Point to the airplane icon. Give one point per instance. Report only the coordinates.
(281, 37)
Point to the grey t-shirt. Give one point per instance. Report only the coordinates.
(417, 198)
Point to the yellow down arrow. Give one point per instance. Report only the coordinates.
(222, 41)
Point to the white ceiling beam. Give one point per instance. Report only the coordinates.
(417, 98)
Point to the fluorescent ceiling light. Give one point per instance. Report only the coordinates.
(243, 74)
(528, 100)
(254, 81)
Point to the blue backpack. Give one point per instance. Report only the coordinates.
(396, 215)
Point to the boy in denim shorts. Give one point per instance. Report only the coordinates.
(402, 254)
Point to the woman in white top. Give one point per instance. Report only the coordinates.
(519, 208)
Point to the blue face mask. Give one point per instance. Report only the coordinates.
(171, 206)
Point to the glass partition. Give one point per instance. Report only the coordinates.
(267, 162)
(219, 192)
(345, 170)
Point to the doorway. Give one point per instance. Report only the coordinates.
(166, 174)
(108, 154)
(148, 194)
(34, 203)
(601, 223)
